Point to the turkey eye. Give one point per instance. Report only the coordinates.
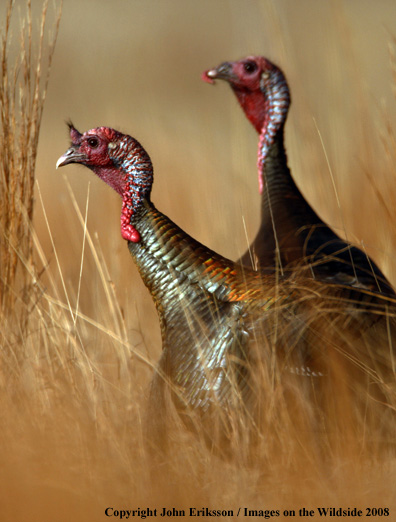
(250, 67)
(93, 142)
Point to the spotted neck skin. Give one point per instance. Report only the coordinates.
(277, 99)
(133, 160)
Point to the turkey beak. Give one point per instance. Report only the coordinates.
(72, 155)
(223, 72)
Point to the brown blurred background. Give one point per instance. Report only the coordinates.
(136, 66)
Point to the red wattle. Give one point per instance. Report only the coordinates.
(128, 231)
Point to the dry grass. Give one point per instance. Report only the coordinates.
(23, 88)
(73, 387)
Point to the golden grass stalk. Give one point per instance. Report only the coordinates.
(23, 88)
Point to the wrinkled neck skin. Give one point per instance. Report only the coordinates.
(253, 105)
(111, 176)
(137, 179)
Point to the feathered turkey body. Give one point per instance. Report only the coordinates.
(291, 233)
(217, 319)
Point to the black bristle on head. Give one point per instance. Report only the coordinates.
(70, 125)
(74, 134)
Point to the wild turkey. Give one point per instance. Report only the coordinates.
(290, 232)
(219, 319)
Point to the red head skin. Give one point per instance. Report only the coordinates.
(244, 78)
(103, 150)
(262, 92)
(91, 149)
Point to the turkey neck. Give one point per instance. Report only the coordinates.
(284, 210)
(285, 214)
(165, 255)
(168, 259)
